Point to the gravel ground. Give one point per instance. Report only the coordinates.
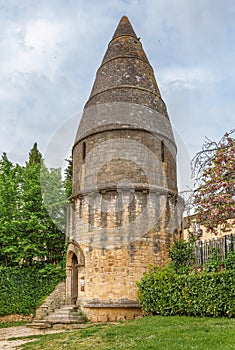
(20, 331)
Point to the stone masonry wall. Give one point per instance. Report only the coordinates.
(123, 155)
(54, 301)
(119, 246)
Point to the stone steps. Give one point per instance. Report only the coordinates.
(40, 324)
(68, 314)
(53, 302)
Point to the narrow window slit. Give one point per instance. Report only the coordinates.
(162, 151)
(83, 151)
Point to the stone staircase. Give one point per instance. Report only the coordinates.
(40, 324)
(54, 301)
(67, 315)
(54, 312)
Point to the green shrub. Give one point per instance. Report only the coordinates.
(22, 290)
(229, 262)
(204, 294)
(213, 262)
(182, 255)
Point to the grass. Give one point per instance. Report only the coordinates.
(148, 333)
(12, 324)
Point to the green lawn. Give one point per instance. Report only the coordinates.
(159, 332)
(12, 324)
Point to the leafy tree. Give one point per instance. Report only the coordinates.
(55, 202)
(68, 177)
(27, 232)
(35, 156)
(10, 209)
(182, 255)
(33, 223)
(214, 171)
(214, 261)
(41, 238)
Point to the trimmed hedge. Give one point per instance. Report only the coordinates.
(204, 294)
(22, 290)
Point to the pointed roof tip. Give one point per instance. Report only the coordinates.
(124, 18)
(124, 28)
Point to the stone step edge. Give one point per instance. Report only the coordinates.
(51, 324)
(40, 324)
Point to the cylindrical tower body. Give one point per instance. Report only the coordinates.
(123, 212)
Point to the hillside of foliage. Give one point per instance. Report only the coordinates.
(33, 202)
(32, 223)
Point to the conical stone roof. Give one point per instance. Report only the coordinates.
(124, 28)
(124, 87)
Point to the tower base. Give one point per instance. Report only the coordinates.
(108, 311)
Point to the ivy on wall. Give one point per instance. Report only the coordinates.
(22, 290)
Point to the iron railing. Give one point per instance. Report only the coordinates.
(203, 249)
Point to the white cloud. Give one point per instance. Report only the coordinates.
(36, 47)
(42, 35)
(50, 51)
(184, 77)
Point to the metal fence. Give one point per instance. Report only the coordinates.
(223, 245)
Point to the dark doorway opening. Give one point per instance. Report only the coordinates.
(74, 279)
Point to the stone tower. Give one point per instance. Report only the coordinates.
(123, 212)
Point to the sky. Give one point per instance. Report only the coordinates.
(51, 50)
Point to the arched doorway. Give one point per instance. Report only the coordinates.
(75, 270)
(74, 279)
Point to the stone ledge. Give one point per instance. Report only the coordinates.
(99, 305)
